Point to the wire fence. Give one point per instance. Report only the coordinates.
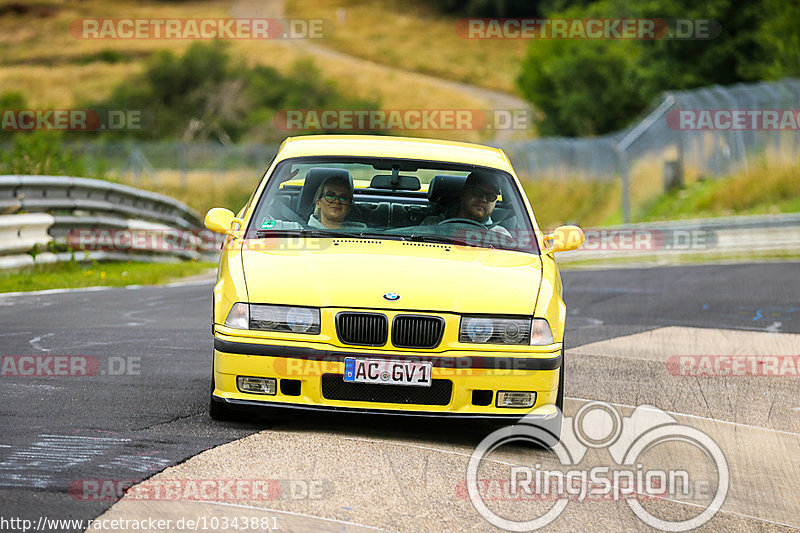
(159, 161)
(714, 131)
(167, 163)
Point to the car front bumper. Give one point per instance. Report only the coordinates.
(315, 376)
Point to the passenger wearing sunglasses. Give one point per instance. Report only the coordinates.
(332, 202)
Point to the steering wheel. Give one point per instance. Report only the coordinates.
(462, 221)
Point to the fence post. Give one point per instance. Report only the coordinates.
(182, 165)
(679, 138)
(622, 161)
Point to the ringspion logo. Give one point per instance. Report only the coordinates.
(674, 475)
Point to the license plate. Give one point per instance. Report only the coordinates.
(385, 372)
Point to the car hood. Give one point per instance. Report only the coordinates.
(427, 277)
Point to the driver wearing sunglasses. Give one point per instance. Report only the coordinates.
(479, 196)
(332, 202)
(478, 200)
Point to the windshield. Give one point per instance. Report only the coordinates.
(398, 199)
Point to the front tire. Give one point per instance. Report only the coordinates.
(217, 409)
(560, 395)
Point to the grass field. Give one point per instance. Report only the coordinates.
(203, 189)
(421, 39)
(72, 275)
(760, 190)
(586, 203)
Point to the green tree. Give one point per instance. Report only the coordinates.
(590, 89)
(586, 87)
(583, 87)
(779, 35)
(489, 8)
(724, 59)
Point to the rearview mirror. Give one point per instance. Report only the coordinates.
(221, 220)
(402, 183)
(563, 239)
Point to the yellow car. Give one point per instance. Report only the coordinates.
(389, 275)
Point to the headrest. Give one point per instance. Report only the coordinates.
(445, 188)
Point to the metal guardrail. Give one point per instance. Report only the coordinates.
(723, 237)
(39, 216)
(44, 194)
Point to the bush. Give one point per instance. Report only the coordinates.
(206, 95)
(43, 153)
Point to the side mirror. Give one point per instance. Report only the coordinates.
(221, 220)
(563, 239)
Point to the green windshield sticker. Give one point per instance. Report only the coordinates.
(268, 224)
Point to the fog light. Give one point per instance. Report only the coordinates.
(256, 385)
(515, 399)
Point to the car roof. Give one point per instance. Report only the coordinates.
(394, 147)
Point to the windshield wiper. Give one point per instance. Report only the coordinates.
(314, 232)
(376, 235)
(438, 239)
(263, 233)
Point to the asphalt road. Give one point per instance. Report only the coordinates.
(149, 348)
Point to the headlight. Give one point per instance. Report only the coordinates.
(274, 318)
(493, 330)
(284, 318)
